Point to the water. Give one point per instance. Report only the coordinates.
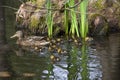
(99, 60)
(109, 53)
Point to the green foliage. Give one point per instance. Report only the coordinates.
(49, 18)
(66, 20)
(70, 15)
(74, 23)
(84, 22)
(74, 29)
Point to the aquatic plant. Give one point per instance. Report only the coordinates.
(71, 16)
(74, 23)
(66, 20)
(74, 28)
(84, 22)
(49, 18)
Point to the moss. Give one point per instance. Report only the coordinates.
(34, 22)
(40, 3)
(37, 18)
(37, 22)
(99, 4)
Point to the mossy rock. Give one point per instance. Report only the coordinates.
(37, 22)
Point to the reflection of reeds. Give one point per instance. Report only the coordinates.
(84, 62)
(84, 22)
(49, 18)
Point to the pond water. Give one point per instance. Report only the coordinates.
(99, 60)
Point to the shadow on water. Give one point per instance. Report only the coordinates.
(99, 60)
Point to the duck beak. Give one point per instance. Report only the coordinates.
(13, 36)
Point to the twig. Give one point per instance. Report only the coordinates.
(77, 4)
(9, 7)
(21, 1)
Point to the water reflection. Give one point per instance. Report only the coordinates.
(95, 62)
(4, 63)
(4, 48)
(74, 64)
(109, 51)
(84, 62)
(2, 23)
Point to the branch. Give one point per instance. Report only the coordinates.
(9, 7)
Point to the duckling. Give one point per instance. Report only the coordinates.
(30, 40)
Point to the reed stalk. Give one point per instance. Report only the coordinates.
(84, 22)
(66, 20)
(74, 23)
(49, 18)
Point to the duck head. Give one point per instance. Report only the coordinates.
(18, 34)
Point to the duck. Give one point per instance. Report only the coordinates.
(29, 40)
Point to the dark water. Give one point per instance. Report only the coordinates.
(97, 61)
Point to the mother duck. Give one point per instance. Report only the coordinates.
(30, 40)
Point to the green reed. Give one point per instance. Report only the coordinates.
(66, 20)
(74, 22)
(70, 14)
(49, 18)
(84, 22)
